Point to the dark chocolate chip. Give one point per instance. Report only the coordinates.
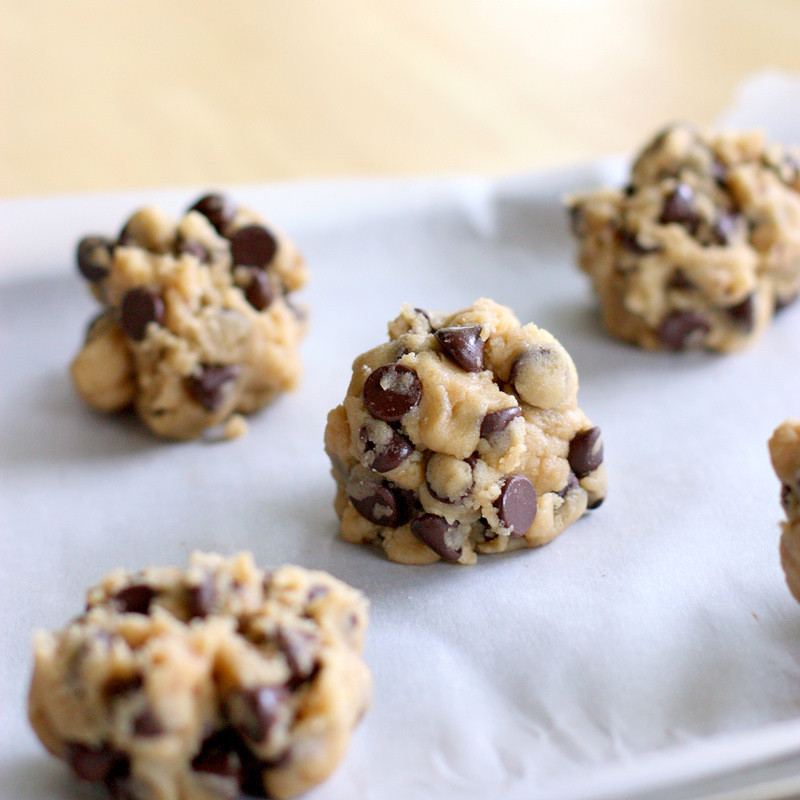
(209, 387)
(516, 505)
(135, 599)
(259, 292)
(299, 647)
(719, 172)
(784, 302)
(596, 503)
(682, 330)
(389, 456)
(217, 209)
(572, 482)
(585, 451)
(146, 724)
(391, 391)
(200, 598)
(679, 207)
(724, 228)
(496, 421)
(631, 243)
(140, 307)
(743, 314)
(94, 763)
(218, 757)
(629, 190)
(121, 685)
(94, 257)
(464, 345)
(378, 503)
(433, 530)
(253, 246)
(192, 248)
(255, 711)
(679, 281)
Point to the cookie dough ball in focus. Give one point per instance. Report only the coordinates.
(204, 683)
(702, 246)
(462, 435)
(197, 324)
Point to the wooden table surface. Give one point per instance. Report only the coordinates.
(97, 95)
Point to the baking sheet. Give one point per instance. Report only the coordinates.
(652, 643)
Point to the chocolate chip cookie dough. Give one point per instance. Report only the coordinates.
(784, 450)
(701, 247)
(204, 683)
(197, 325)
(462, 435)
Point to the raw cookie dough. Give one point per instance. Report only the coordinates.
(462, 435)
(701, 247)
(784, 450)
(204, 683)
(197, 324)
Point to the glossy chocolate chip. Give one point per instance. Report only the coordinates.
(200, 598)
(140, 307)
(496, 421)
(192, 248)
(435, 531)
(217, 209)
(391, 392)
(743, 314)
(253, 246)
(378, 503)
(464, 345)
(94, 256)
(94, 763)
(259, 292)
(682, 330)
(208, 387)
(135, 599)
(517, 504)
(679, 206)
(147, 724)
(386, 456)
(255, 711)
(586, 451)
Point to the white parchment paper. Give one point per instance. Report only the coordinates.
(653, 642)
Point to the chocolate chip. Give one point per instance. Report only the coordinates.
(208, 387)
(585, 451)
(743, 314)
(377, 502)
(496, 421)
(391, 391)
(596, 503)
(315, 592)
(682, 330)
(516, 505)
(435, 531)
(464, 345)
(299, 647)
(387, 456)
(724, 228)
(140, 307)
(259, 292)
(255, 711)
(679, 281)
(120, 685)
(192, 248)
(631, 243)
(426, 316)
(94, 763)
(217, 756)
(146, 724)
(784, 302)
(94, 257)
(200, 598)
(217, 209)
(572, 483)
(679, 207)
(253, 246)
(135, 599)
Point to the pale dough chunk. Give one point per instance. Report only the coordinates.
(462, 435)
(202, 683)
(198, 325)
(784, 450)
(702, 246)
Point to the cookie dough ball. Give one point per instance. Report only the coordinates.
(462, 435)
(784, 450)
(197, 323)
(204, 683)
(702, 246)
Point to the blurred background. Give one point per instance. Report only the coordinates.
(98, 95)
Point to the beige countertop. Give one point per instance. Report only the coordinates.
(104, 96)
